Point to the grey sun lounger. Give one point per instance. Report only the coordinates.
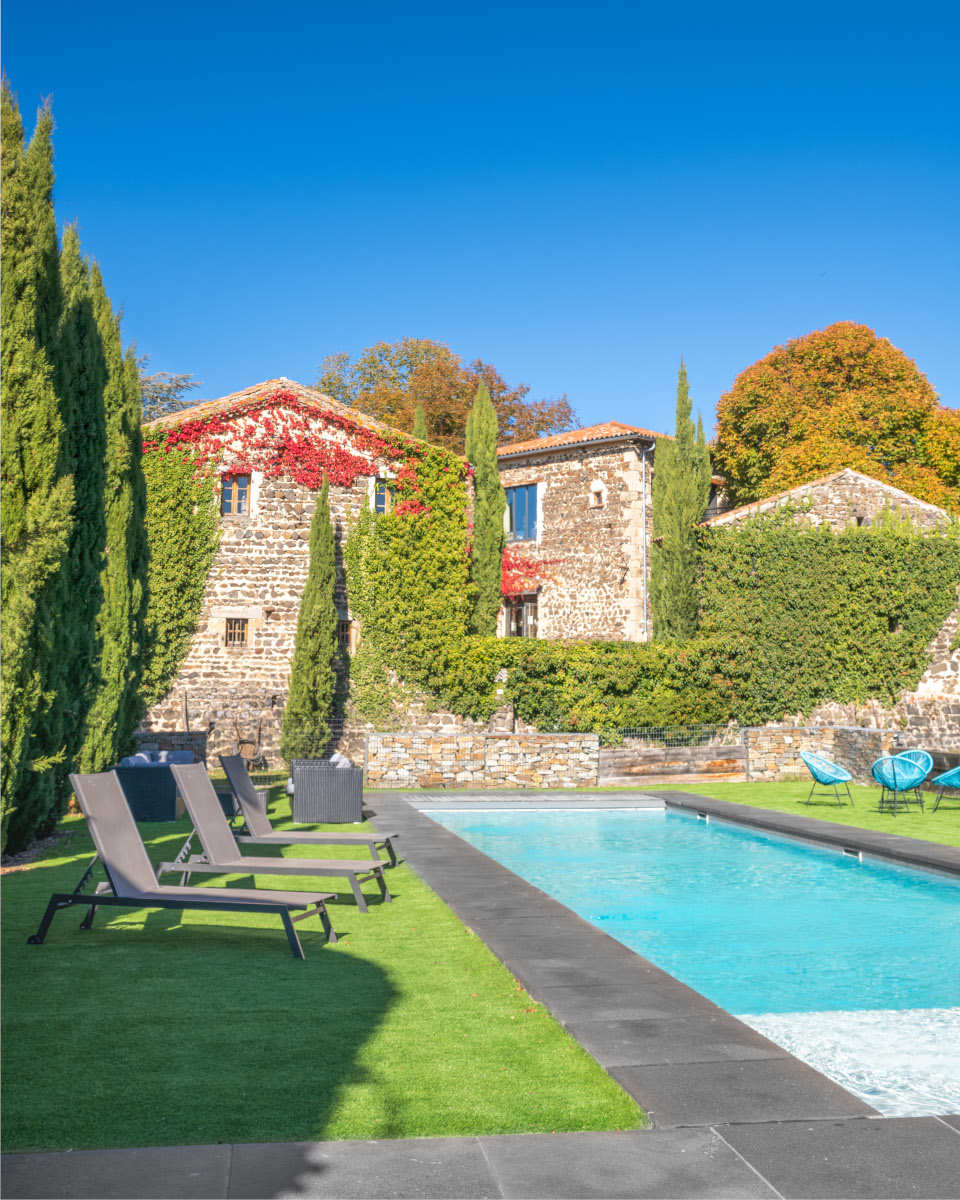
(262, 832)
(221, 854)
(132, 882)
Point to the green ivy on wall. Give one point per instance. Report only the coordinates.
(409, 585)
(791, 616)
(182, 536)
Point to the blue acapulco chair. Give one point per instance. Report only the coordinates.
(922, 759)
(828, 775)
(948, 781)
(896, 777)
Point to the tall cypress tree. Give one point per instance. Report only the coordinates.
(37, 493)
(313, 680)
(420, 424)
(114, 709)
(681, 491)
(489, 505)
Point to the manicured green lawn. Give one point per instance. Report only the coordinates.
(158, 1027)
(942, 826)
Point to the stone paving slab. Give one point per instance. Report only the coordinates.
(654, 1041)
(686, 1164)
(705, 1093)
(881, 1159)
(158, 1173)
(448, 1167)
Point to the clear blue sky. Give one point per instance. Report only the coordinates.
(576, 193)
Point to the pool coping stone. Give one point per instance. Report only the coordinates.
(913, 851)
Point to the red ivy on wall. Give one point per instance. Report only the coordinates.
(519, 574)
(277, 435)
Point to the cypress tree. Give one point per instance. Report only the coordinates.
(37, 493)
(489, 505)
(115, 706)
(420, 424)
(313, 681)
(681, 491)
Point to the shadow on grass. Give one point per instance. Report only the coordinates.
(160, 1027)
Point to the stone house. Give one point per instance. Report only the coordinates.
(234, 679)
(579, 525)
(931, 711)
(841, 498)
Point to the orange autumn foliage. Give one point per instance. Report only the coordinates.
(839, 397)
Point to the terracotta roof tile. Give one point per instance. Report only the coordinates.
(578, 437)
(237, 400)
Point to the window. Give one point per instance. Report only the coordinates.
(522, 513)
(343, 636)
(234, 497)
(598, 494)
(521, 616)
(236, 631)
(382, 497)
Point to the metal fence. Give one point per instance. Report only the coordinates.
(653, 736)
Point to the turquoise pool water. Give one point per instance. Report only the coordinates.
(783, 933)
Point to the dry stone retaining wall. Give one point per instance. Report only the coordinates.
(465, 760)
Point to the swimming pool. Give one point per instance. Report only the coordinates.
(849, 964)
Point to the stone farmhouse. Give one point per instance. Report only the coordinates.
(579, 527)
(234, 679)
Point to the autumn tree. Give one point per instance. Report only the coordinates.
(390, 380)
(681, 490)
(839, 397)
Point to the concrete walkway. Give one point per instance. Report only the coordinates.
(734, 1114)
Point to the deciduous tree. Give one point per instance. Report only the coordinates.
(391, 379)
(838, 397)
(681, 490)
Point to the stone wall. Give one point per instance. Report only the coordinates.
(774, 752)
(195, 741)
(844, 497)
(594, 553)
(464, 760)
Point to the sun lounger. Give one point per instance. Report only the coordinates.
(262, 833)
(222, 855)
(132, 882)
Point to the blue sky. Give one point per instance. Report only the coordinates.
(576, 193)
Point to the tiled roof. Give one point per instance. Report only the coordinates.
(578, 437)
(236, 400)
(771, 501)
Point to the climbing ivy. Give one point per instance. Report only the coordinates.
(409, 585)
(182, 536)
(792, 615)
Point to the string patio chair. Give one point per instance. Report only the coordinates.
(949, 781)
(828, 775)
(922, 759)
(898, 776)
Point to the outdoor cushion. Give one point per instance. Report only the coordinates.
(136, 759)
(177, 756)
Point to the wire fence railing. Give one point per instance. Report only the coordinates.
(662, 736)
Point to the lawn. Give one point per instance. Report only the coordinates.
(166, 1028)
(942, 826)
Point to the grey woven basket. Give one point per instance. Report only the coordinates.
(325, 793)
